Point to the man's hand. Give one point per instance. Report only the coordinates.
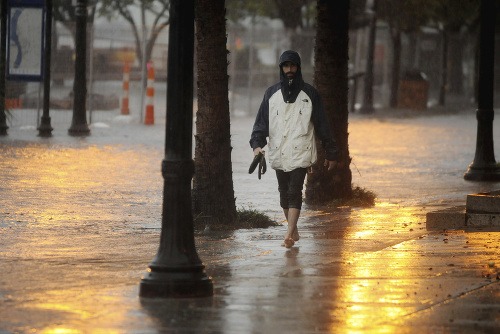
(260, 160)
(330, 164)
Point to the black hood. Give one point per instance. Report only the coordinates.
(290, 55)
(290, 91)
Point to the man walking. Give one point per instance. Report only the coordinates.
(291, 115)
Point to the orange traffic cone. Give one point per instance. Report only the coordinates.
(126, 79)
(150, 94)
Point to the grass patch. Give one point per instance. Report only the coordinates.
(360, 198)
(245, 219)
(250, 218)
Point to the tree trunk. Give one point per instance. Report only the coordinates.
(213, 192)
(290, 12)
(412, 51)
(444, 70)
(367, 106)
(330, 74)
(396, 67)
(456, 78)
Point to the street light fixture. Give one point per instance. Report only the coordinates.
(177, 271)
(45, 128)
(79, 126)
(3, 63)
(484, 166)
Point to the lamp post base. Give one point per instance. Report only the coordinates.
(176, 285)
(489, 173)
(45, 129)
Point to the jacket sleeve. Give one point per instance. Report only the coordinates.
(322, 129)
(260, 129)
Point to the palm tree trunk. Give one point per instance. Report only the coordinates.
(456, 52)
(368, 77)
(444, 70)
(330, 76)
(213, 192)
(396, 67)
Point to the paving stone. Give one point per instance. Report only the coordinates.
(450, 218)
(483, 203)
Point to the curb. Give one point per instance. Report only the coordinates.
(462, 217)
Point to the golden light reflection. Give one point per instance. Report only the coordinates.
(65, 184)
(386, 210)
(61, 330)
(382, 162)
(363, 234)
(72, 193)
(66, 196)
(78, 312)
(73, 309)
(378, 286)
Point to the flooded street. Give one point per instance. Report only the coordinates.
(80, 221)
(406, 162)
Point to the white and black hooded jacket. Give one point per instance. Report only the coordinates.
(291, 115)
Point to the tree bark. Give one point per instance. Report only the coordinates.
(330, 76)
(290, 12)
(396, 67)
(367, 106)
(456, 77)
(444, 70)
(213, 192)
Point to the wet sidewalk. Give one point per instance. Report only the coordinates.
(80, 222)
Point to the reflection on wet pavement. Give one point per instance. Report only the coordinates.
(79, 224)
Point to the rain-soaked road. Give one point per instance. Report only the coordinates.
(80, 221)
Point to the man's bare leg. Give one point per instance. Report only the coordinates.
(295, 233)
(293, 218)
(292, 235)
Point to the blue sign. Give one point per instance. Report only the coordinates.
(25, 47)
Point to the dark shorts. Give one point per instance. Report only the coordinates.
(290, 187)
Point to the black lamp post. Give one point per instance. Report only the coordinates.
(177, 271)
(3, 65)
(79, 125)
(45, 129)
(484, 166)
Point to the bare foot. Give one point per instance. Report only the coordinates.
(295, 234)
(288, 243)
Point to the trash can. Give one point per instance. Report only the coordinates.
(14, 92)
(413, 90)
